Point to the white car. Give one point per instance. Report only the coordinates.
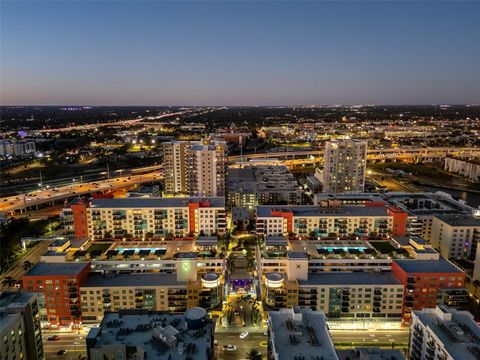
(229, 347)
(243, 335)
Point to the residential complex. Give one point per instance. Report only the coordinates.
(17, 148)
(140, 218)
(58, 286)
(428, 283)
(149, 291)
(148, 335)
(344, 166)
(250, 185)
(344, 221)
(456, 236)
(195, 168)
(469, 168)
(20, 332)
(446, 334)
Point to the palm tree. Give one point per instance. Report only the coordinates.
(476, 284)
(9, 282)
(27, 265)
(254, 354)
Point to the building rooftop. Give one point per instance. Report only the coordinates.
(350, 278)
(370, 354)
(158, 335)
(261, 178)
(125, 280)
(313, 210)
(301, 332)
(57, 269)
(459, 220)
(122, 203)
(457, 331)
(441, 265)
(10, 300)
(428, 203)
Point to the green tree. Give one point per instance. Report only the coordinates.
(254, 354)
(9, 282)
(27, 265)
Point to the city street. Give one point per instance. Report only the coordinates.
(74, 344)
(253, 340)
(33, 256)
(369, 336)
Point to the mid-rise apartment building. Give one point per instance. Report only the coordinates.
(58, 288)
(456, 236)
(469, 168)
(445, 334)
(149, 291)
(20, 330)
(253, 185)
(344, 166)
(17, 148)
(428, 283)
(344, 221)
(140, 218)
(196, 168)
(346, 295)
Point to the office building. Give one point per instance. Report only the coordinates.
(251, 185)
(445, 334)
(195, 168)
(20, 330)
(344, 166)
(142, 335)
(58, 288)
(141, 218)
(429, 283)
(456, 236)
(299, 333)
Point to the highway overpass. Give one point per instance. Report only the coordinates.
(413, 154)
(32, 200)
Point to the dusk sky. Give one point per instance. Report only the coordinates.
(239, 53)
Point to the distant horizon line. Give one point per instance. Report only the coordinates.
(233, 106)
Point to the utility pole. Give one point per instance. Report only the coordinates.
(41, 181)
(108, 171)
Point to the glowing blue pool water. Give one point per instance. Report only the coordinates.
(344, 248)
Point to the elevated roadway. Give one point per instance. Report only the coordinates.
(310, 156)
(25, 202)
